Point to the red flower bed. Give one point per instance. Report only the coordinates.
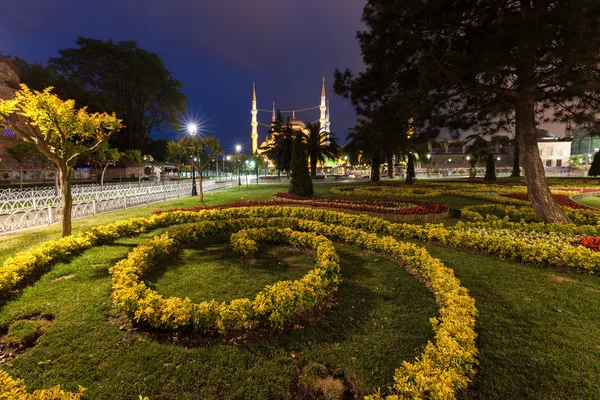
(404, 207)
(561, 199)
(591, 243)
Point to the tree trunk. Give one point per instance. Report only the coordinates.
(102, 177)
(543, 204)
(56, 186)
(313, 163)
(20, 176)
(376, 169)
(390, 164)
(44, 175)
(515, 170)
(67, 200)
(201, 190)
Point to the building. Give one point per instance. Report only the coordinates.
(294, 122)
(555, 152)
(584, 146)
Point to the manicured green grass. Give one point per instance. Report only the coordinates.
(592, 201)
(380, 319)
(537, 327)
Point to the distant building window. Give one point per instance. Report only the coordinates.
(559, 163)
(9, 133)
(548, 163)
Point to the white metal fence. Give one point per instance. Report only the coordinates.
(24, 208)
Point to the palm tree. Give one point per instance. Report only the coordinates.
(365, 142)
(320, 145)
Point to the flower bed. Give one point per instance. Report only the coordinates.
(33, 261)
(15, 389)
(491, 212)
(273, 306)
(445, 364)
(393, 210)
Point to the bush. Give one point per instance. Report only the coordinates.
(301, 184)
(595, 167)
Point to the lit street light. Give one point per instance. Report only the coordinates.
(192, 130)
(238, 150)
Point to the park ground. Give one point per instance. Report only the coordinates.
(537, 326)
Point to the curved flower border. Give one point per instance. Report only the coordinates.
(273, 306)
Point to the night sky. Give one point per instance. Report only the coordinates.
(216, 48)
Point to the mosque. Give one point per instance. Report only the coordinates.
(296, 124)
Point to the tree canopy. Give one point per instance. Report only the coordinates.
(60, 132)
(459, 64)
(121, 77)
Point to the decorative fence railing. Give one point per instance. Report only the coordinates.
(89, 200)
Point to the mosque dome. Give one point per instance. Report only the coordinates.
(297, 123)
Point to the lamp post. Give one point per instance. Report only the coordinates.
(192, 130)
(229, 160)
(238, 150)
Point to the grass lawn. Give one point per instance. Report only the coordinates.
(592, 201)
(380, 320)
(537, 327)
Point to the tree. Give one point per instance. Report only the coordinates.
(198, 148)
(468, 61)
(136, 158)
(279, 150)
(21, 152)
(410, 170)
(320, 146)
(300, 184)
(365, 142)
(105, 157)
(490, 169)
(120, 77)
(158, 149)
(595, 167)
(59, 131)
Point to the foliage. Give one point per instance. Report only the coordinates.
(15, 389)
(105, 157)
(458, 66)
(595, 167)
(300, 183)
(59, 131)
(198, 149)
(274, 306)
(490, 169)
(122, 78)
(21, 152)
(320, 145)
(279, 150)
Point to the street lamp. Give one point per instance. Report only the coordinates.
(192, 130)
(238, 150)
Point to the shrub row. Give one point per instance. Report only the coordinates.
(273, 306)
(15, 389)
(492, 212)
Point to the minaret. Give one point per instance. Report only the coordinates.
(327, 122)
(254, 122)
(323, 107)
(273, 116)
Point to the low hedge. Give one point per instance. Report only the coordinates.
(273, 306)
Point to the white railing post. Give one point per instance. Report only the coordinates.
(50, 215)
(94, 207)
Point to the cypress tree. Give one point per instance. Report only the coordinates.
(410, 170)
(300, 184)
(595, 167)
(490, 169)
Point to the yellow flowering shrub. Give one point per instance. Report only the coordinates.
(274, 306)
(15, 389)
